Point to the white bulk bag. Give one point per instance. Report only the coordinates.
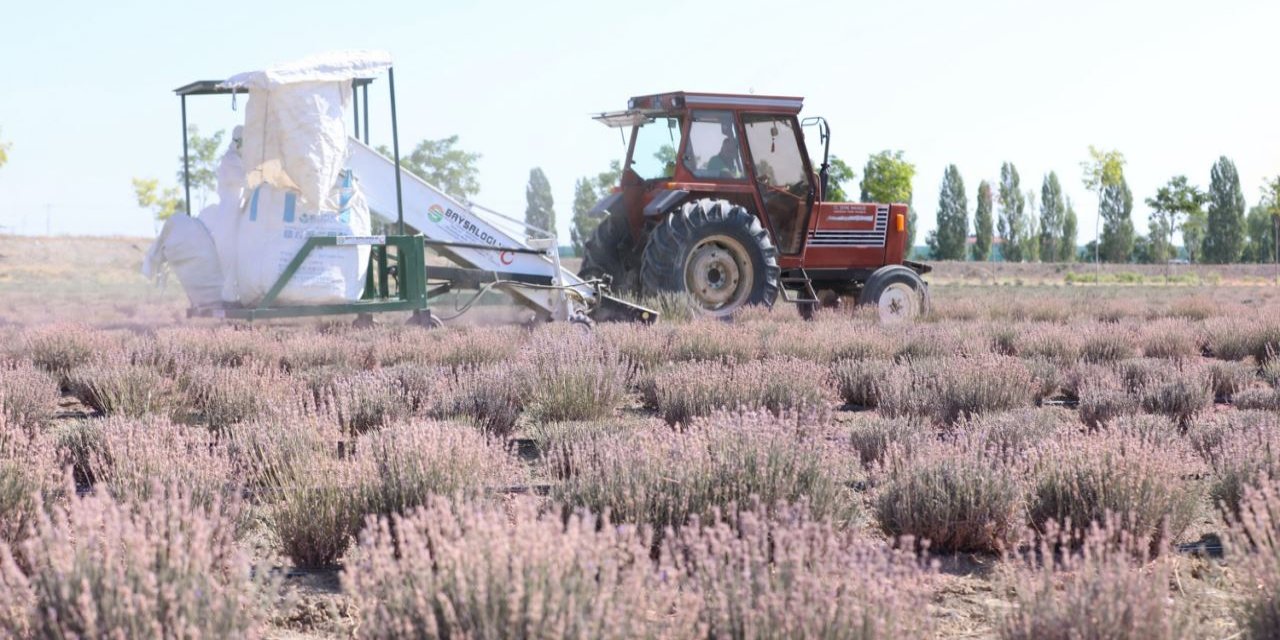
(295, 129)
(222, 220)
(185, 246)
(271, 231)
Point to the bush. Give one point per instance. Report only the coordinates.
(857, 380)
(368, 400)
(688, 390)
(1255, 533)
(1143, 486)
(1106, 344)
(1170, 339)
(491, 398)
(954, 500)
(133, 457)
(1057, 344)
(60, 349)
(100, 569)
(28, 398)
(409, 463)
(318, 508)
(661, 478)
(1008, 437)
(1112, 578)
(957, 388)
(791, 576)
(28, 466)
(572, 378)
(223, 397)
(1183, 393)
(1104, 399)
(1246, 457)
(474, 570)
(710, 340)
(120, 389)
(1229, 378)
(873, 437)
(1237, 339)
(1257, 399)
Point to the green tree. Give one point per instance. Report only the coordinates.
(539, 210)
(1260, 244)
(1067, 251)
(203, 154)
(887, 179)
(1224, 231)
(1101, 169)
(1012, 221)
(4, 151)
(1053, 211)
(838, 175)
(948, 241)
(163, 203)
(1173, 206)
(586, 193)
(983, 223)
(1030, 241)
(1115, 205)
(443, 165)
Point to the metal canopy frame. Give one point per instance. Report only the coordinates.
(360, 93)
(407, 266)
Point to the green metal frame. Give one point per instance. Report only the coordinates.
(406, 266)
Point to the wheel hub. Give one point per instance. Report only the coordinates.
(718, 273)
(898, 302)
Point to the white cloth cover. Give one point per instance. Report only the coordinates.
(185, 245)
(223, 218)
(274, 226)
(295, 126)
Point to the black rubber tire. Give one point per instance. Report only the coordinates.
(885, 279)
(611, 251)
(670, 245)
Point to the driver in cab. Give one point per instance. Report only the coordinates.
(727, 163)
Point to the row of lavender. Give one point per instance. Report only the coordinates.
(302, 443)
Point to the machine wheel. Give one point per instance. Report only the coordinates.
(425, 319)
(897, 292)
(607, 253)
(717, 252)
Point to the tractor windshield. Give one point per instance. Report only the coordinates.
(653, 149)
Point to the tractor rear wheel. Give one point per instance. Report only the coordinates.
(610, 251)
(715, 251)
(897, 292)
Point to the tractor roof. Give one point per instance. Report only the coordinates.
(641, 108)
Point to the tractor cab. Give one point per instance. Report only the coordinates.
(719, 199)
(749, 150)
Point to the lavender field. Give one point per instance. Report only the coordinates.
(1036, 461)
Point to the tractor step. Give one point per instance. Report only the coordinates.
(806, 288)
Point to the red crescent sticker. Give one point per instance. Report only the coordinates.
(506, 257)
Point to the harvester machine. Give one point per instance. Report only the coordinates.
(308, 252)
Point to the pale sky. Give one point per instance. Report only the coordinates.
(87, 96)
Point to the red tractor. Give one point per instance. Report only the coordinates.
(718, 199)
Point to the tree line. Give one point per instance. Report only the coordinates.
(1216, 224)
(1027, 225)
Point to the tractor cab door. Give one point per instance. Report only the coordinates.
(782, 175)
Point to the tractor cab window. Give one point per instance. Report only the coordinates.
(713, 151)
(653, 152)
(782, 176)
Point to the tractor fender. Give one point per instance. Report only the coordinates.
(664, 200)
(605, 206)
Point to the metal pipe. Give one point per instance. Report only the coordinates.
(395, 149)
(365, 92)
(355, 114)
(186, 162)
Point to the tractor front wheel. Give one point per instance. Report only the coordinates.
(897, 293)
(716, 252)
(610, 252)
